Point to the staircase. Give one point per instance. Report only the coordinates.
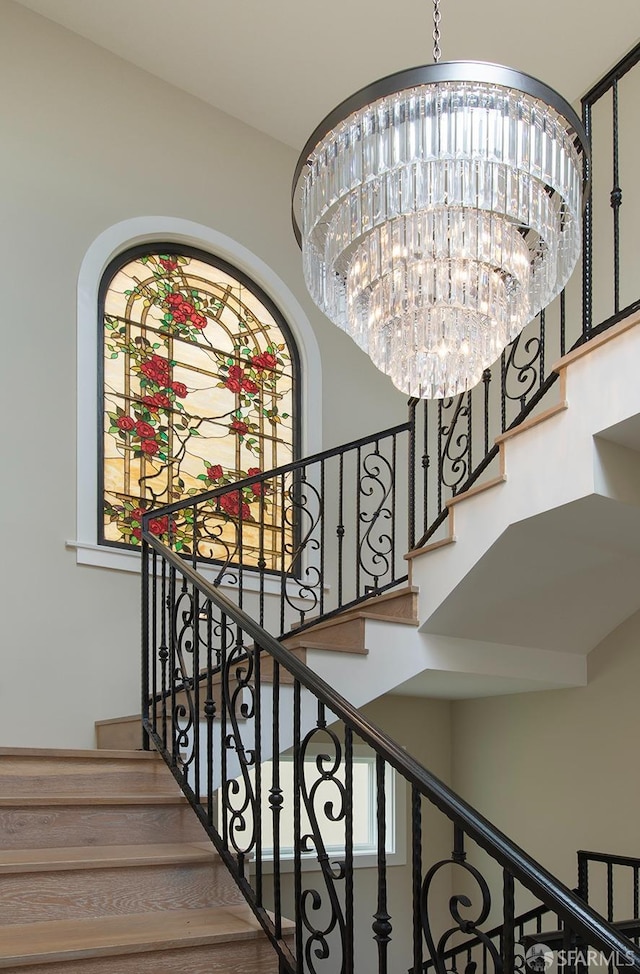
(104, 867)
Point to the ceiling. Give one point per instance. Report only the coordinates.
(282, 66)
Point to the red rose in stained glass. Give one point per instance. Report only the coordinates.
(249, 386)
(150, 402)
(233, 384)
(136, 513)
(253, 471)
(264, 362)
(236, 372)
(162, 400)
(257, 489)
(168, 263)
(137, 533)
(144, 430)
(239, 427)
(180, 390)
(214, 472)
(198, 320)
(125, 423)
(158, 525)
(231, 504)
(149, 446)
(174, 299)
(157, 369)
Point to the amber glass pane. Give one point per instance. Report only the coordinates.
(198, 392)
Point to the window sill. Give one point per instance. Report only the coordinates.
(116, 559)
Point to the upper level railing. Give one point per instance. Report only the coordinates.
(344, 517)
(351, 513)
(292, 784)
(607, 882)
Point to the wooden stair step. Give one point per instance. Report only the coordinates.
(66, 941)
(56, 884)
(36, 823)
(107, 856)
(48, 773)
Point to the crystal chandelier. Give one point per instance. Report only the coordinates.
(440, 211)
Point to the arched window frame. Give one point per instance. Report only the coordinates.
(146, 232)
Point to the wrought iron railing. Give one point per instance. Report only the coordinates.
(225, 704)
(343, 523)
(608, 882)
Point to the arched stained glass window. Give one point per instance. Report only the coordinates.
(200, 383)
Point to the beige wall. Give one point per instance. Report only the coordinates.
(556, 769)
(88, 141)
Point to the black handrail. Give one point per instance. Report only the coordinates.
(578, 916)
(293, 467)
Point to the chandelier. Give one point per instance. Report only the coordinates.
(439, 212)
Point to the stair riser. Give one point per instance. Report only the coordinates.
(234, 958)
(42, 827)
(35, 776)
(60, 895)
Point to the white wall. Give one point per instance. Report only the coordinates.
(89, 141)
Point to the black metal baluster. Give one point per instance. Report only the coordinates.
(382, 920)
(416, 866)
(257, 711)
(283, 548)
(411, 476)
(563, 322)
(276, 801)
(349, 953)
(610, 966)
(321, 515)
(508, 948)
(209, 713)
(440, 456)
(486, 379)
(426, 461)
(543, 337)
(636, 897)
(503, 391)
(609, 891)
(223, 726)
(241, 554)
(146, 648)
(172, 665)
(616, 202)
(196, 689)
(394, 459)
(297, 826)
(164, 653)
(587, 233)
(340, 526)
(154, 641)
(261, 559)
(469, 431)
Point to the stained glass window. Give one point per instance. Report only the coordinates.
(199, 386)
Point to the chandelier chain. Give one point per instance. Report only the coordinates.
(437, 53)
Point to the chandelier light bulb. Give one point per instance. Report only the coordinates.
(439, 212)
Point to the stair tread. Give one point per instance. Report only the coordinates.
(62, 940)
(108, 856)
(56, 752)
(70, 799)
